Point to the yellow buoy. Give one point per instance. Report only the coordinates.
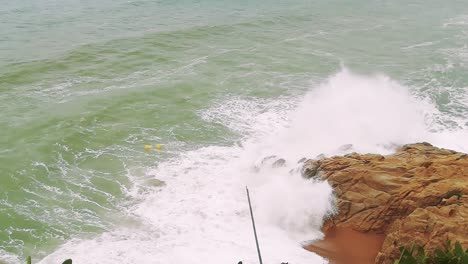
(159, 146)
(147, 147)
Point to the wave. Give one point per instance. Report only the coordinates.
(200, 213)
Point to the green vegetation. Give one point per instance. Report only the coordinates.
(450, 255)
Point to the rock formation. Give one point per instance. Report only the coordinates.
(418, 194)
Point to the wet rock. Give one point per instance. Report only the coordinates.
(268, 159)
(302, 160)
(311, 169)
(153, 182)
(273, 161)
(279, 163)
(418, 194)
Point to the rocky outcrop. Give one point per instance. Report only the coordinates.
(418, 194)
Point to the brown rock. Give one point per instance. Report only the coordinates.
(418, 194)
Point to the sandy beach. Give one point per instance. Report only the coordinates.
(346, 246)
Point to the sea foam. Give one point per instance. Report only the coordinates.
(201, 214)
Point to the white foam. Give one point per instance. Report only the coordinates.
(422, 44)
(7, 257)
(461, 20)
(201, 214)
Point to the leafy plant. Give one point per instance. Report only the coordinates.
(413, 255)
(417, 255)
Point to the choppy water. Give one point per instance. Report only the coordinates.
(84, 85)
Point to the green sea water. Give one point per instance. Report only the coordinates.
(84, 85)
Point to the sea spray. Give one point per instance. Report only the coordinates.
(84, 85)
(200, 215)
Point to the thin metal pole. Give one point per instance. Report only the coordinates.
(253, 224)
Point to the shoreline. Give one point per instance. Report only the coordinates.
(347, 246)
(417, 195)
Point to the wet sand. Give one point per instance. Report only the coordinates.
(346, 246)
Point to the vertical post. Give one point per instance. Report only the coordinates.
(253, 224)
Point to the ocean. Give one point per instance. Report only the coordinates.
(226, 88)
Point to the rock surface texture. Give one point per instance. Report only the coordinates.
(418, 194)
